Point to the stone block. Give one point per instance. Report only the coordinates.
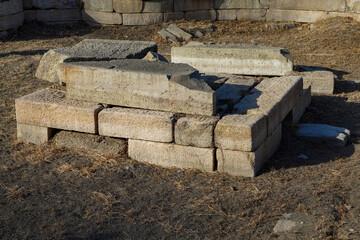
(223, 15)
(98, 5)
(320, 81)
(273, 97)
(323, 133)
(158, 6)
(191, 5)
(201, 15)
(33, 134)
(10, 7)
(195, 131)
(58, 15)
(252, 14)
(91, 49)
(50, 108)
(235, 59)
(353, 6)
(142, 18)
(236, 4)
(27, 4)
(139, 84)
(301, 105)
(128, 6)
(178, 32)
(107, 18)
(30, 15)
(233, 90)
(90, 143)
(11, 21)
(165, 34)
(58, 4)
(172, 155)
(173, 16)
(295, 15)
(310, 5)
(247, 164)
(136, 124)
(241, 132)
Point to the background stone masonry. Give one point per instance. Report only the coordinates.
(13, 13)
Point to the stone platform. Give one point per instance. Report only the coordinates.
(226, 123)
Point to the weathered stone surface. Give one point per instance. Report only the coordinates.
(333, 136)
(165, 34)
(98, 5)
(201, 15)
(128, 6)
(195, 131)
(353, 6)
(27, 4)
(179, 33)
(11, 21)
(172, 155)
(295, 15)
(158, 6)
(191, 5)
(91, 49)
(173, 16)
(140, 84)
(241, 132)
(108, 18)
(320, 81)
(143, 18)
(59, 4)
(50, 108)
(301, 105)
(247, 164)
(253, 14)
(90, 143)
(235, 59)
(223, 15)
(273, 97)
(153, 56)
(233, 90)
(30, 15)
(33, 134)
(136, 124)
(58, 15)
(231, 4)
(310, 5)
(10, 7)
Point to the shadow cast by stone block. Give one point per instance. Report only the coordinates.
(295, 152)
(303, 68)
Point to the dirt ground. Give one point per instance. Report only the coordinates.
(55, 193)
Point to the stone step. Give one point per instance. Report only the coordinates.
(91, 49)
(49, 108)
(235, 59)
(136, 124)
(139, 84)
(172, 155)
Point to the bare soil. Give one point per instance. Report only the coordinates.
(56, 193)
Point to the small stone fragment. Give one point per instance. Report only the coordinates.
(153, 56)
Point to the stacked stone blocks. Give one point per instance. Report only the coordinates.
(187, 133)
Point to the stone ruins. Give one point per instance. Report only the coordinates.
(208, 109)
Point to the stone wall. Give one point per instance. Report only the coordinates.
(144, 12)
